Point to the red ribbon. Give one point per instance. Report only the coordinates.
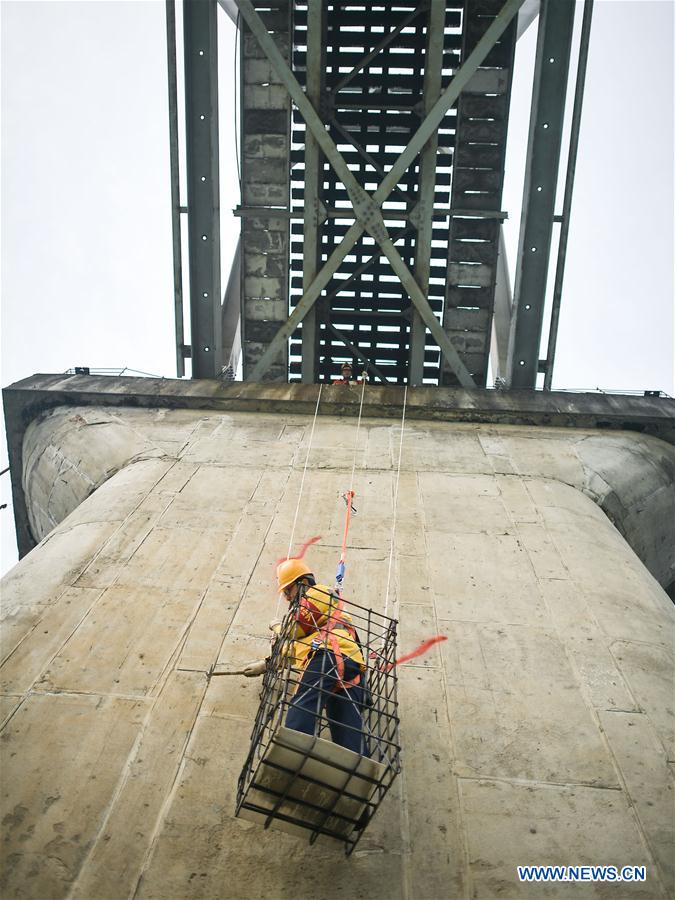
(418, 651)
(423, 647)
(303, 550)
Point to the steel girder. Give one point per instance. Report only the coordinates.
(364, 206)
(501, 319)
(554, 44)
(201, 122)
(231, 313)
(567, 198)
(433, 75)
(181, 349)
(478, 175)
(313, 187)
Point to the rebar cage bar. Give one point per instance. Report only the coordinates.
(299, 782)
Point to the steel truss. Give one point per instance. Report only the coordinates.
(382, 267)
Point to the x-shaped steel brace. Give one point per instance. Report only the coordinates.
(367, 208)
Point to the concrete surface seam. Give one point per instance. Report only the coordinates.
(9, 718)
(168, 799)
(126, 771)
(188, 440)
(111, 585)
(121, 526)
(126, 423)
(603, 737)
(174, 658)
(601, 631)
(408, 893)
(64, 642)
(136, 698)
(255, 563)
(583, 687)
(406, 880)
(56, 600)
(225, 717)
(53, 486)
(610, 649)
(121, 781)
(397, 483)
(533, 782)
(185, 634)
(469, 891)
(457, 794)
(655, 867)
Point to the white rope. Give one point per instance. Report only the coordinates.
(302, 486)
(393, 523)
(349, 496)
(358, 426)
(304, 472)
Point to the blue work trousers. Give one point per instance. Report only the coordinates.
(316, 692)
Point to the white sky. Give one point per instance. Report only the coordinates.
(86, 228)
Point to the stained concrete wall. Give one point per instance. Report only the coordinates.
(540, 732)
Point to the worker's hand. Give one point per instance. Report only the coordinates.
(275, 627)
(252, 670)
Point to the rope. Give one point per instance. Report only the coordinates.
(349, 496)
(304, 471)
(393, 523)
(302, 485)
(356, 442)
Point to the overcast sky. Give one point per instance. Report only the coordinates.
(86, 227)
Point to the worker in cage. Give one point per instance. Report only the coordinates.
(326, 650)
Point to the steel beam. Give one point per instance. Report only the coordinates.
(554, 44)
(359, 270)
(448, 97)
(569, 186)
(230, 7)
(357, 195)
(433, 71)
(175, 186)
(313, 183)
(357, 352)
(232, 312)
(426, 313)
(363, 153)
(378, 48)
(425, 131)
(526, 16)
(201, 125)
(501, 319)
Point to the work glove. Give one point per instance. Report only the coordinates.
(252, 670)
(275, 627)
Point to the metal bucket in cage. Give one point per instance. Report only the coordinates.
(303, 782)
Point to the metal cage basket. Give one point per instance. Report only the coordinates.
(297, 781)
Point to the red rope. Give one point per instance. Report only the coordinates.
(303, 550)
(349, 496)
(423, 648)
(418, 651)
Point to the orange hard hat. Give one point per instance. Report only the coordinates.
(290, 570)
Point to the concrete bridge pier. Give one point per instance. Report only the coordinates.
(537, 538)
